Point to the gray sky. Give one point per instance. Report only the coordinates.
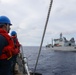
(28, 18)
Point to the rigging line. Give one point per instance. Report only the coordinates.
(51, 1)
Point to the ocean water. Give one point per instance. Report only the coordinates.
(51, 62)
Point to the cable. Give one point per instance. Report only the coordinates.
(51, 1)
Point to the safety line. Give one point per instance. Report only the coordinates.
(47, 19)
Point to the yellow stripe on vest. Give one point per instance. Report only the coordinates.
(9, 58)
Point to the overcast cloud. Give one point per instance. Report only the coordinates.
(28, 18)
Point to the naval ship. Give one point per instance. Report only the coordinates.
(62, 44)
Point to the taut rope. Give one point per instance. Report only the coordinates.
(51, 1)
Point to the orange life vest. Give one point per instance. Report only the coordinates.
(16, 44)
(8, 51)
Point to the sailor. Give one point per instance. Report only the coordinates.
(15, 39)
(6, 46)
(17, 48)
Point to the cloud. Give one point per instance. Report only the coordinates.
(29, 16)
(8, 1)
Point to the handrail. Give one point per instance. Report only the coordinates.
(25, 65)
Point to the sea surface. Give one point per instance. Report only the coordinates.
(51, 62)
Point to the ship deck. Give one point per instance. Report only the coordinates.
(22, 68)
(62, 48)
